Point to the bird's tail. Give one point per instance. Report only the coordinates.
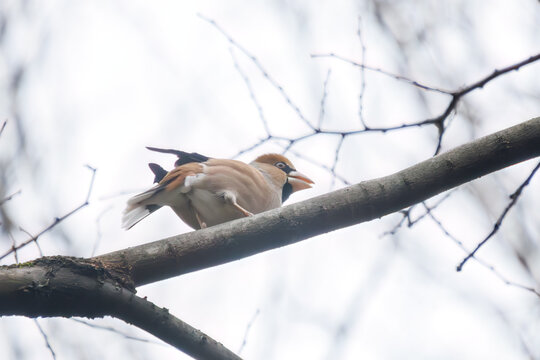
(139, 207)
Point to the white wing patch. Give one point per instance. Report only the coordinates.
(193, 179)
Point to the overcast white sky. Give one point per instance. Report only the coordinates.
(104, 79)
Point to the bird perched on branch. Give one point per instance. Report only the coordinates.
(204, 191)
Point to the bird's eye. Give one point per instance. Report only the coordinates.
(280, 165)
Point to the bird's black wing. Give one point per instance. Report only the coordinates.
(183, 157)
(158, 171)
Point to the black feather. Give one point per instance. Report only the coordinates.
(158, 171)
(183, 157)
(286, 192)
(152, 208)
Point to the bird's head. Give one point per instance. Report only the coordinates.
(294, 180)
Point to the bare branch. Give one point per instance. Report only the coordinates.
(8, 198)
(64, 286)
(160, 323)
(248, 328)
(98, 229)
(254, 146)
(35, 241)
(383, 72)
(490, 267)
(13, 246)
(496, 73)
(362, 74)
(116, 331)
(407, 215)
(321, 165)
(514, 198)
(456, 95)
(429, 213)
(46, 338)
(56, 220)
(336, 159)
(323, 99)
(263, 71)
(3, 127)
(251, 93)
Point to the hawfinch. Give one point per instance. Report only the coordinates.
(204, 191)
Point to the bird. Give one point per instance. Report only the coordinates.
(206, 191)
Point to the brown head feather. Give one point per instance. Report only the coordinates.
(273, 159)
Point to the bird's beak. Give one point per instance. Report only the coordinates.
(299, 181)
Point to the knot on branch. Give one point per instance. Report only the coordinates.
(85, 267)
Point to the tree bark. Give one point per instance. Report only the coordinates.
(66, 286)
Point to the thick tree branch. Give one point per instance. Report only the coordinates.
(64, 286)
(352, 205)
(159, 322)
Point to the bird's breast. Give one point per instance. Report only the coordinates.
(211, 207)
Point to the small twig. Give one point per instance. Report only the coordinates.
(383, 72)
(322, 166)
(441, 128)
(336, 159)
(429, 213)
(516, 332)
(292, 141)
(3, 127)
(407, 215)
(33, 237)
(490, 267)
(254, 146)
(429, 209)
(13, 245)
(248, 328)
(323, 99)
(514, 198)
(56, 220)
(362, 74)
(496, 73)
(8, 198)
(98, 229)
(91, 183)
(263, 71)
(456, 95)
(251, 93)
(113, 330)
(45, 338)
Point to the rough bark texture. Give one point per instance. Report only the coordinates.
(66, 286)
